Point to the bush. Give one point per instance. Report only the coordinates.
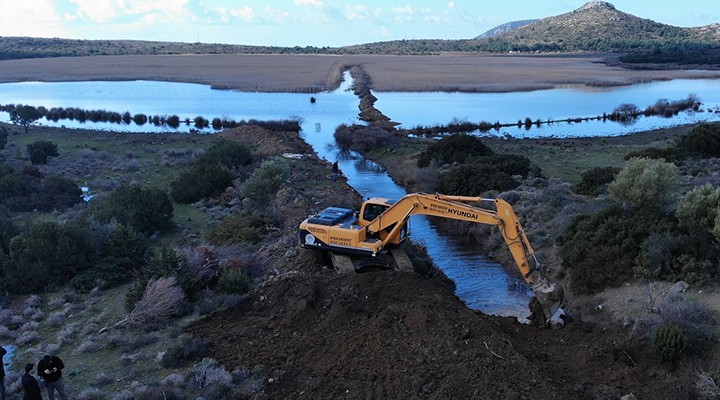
(600, 249)
(474, 180)
(165, 262)
(669, 342)
(594, 181)
(60, 192)
(184, 352)
(456, 148)
(265, 181)
(228, 153)
(234, 282)
(362, 138)
(699, 209)
(39, 151)
(702, 141)
(46, 256)
(241, 228)
(198, 183)
(145, 210)
(646, 185)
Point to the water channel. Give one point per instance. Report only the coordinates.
(482, 284)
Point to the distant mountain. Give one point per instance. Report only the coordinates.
(507, 27)
(598, 26)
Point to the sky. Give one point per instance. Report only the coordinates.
(305, 22)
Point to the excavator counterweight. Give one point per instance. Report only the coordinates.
(381, 224)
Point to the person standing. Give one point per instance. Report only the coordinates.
(30, 384)
(50, 370)
(335, 170)
(2, 373)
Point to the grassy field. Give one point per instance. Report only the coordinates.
(102, 161)
(313, 73)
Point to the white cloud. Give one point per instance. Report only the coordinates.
(97, 11)
(246, 14)
(158, 10)
(451, 4)
(277, 16)
(30, 18)
(357, 12)
(313, 3)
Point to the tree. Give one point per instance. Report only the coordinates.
(646, 185)
(24, 115)
(39, 151)
(145, 210)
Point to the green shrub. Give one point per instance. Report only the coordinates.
(474, 180)
(600, 249)
(145, 210)
(184, 352)
(655, 258)
(265, 181)
(199, 183)
(234, 282)
(165, 262)
(46, 256)
(118, 251)
(594, 182)
(669, 342)
(646, 185)
(456, 148)
(211, 173)
(702, 141)
(228, 153)
(39, 151)
(60, 192)
(241, 228)
(699, 208)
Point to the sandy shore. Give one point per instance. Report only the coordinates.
(313, 73)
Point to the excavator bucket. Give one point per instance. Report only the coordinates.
(549, 298)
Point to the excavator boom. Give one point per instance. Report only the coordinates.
(382, 223)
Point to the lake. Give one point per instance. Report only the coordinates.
(483, 285)
(409, 109)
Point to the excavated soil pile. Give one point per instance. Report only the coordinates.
(391, 335)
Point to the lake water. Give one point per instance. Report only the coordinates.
(409, 109)
(481, 284)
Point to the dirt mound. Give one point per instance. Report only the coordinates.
(397, 335)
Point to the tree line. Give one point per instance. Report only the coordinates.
(26, 115)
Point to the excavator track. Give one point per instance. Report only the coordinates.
(396, 260)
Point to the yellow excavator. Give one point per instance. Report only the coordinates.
(381, 224)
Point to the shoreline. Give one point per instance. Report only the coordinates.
(313, 74)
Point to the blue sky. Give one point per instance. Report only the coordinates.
(305, 22)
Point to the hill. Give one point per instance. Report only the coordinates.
(506, 27)
(597, 26)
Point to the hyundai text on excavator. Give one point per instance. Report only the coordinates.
(381, 224)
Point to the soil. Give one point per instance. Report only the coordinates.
(379, 335)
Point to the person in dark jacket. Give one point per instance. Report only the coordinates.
(2, 373)
(30, 384)
(335, 171)
(50, 370)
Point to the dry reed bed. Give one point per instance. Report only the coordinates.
(312, 73)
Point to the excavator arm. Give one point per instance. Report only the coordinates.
(548, 294)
